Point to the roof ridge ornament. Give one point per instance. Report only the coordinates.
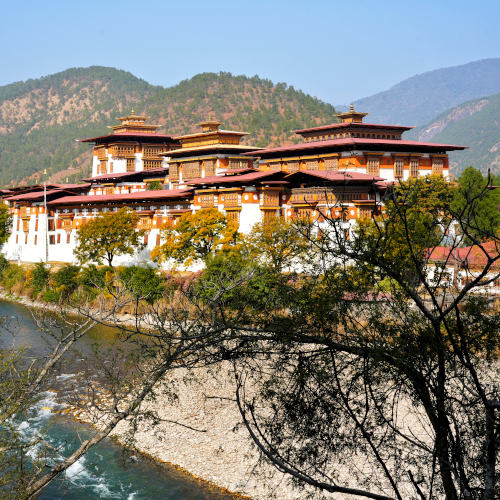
(352, 116)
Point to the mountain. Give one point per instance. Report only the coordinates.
(476, 124)
(419, 99)
(40, 119)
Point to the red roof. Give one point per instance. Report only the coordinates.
(128, 134)
(34, 195)
(338, 176)
(218, 179)
(138, 196)
(111, 176)
(73, 186)
(355, 124)
(38, 195)
(354, 141)
(234, 171)
(470, 256)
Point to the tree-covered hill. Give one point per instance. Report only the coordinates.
(419, 99)
(475, 124)
(40, 119)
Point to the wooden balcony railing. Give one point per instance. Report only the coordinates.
(270, 199)
(231, 200)
(312, 196)
(122, 150)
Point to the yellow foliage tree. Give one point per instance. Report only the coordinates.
(196, 237)
(277, 243)
(102, 238)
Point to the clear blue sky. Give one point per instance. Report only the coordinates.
(336, 50)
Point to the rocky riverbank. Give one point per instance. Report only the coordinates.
(207, 440)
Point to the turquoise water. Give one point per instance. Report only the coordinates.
(106, 471)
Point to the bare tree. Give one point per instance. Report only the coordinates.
(371, 372)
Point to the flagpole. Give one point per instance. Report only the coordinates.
(46, 218)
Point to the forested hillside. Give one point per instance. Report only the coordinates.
(475, 124)
(421, 98)
(40, 119)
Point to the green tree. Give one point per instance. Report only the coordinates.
(5, 223)
(39, 277)
(154, 186)
(276, 243)
(142, 282)
(415, 218)
(197, 236)
(474, 200)
(106, 236)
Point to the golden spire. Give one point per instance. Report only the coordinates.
(351, 116)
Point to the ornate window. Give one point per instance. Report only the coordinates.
(207, 200)
(152, 164)
(173, 172)
(437, 166)
(268, 216)
(237, 163)
(414, 164)
(312, 165)
(152, 151)
(350, 196)
(233, 216)
(271, 199)
(130, 164)
(331, 164)
(121, 150)
(373, 166)
(292, 166)
(398, 168)
(304, 214)
(231, 200)
(191, 170)
(365, 212)
(209, 167)
(274, 165)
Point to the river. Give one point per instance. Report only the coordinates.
(106, 471)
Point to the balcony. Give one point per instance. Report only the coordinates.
(270, 199)
(312, 196)
(122, 150)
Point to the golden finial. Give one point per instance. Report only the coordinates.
(133, 112)
(351, 107)
(44, 171)
(66, 180)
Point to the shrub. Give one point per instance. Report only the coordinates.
(51, 295)
(65, 279)
(93, 278)
(142, 282)
(13, 274)
(39, 277)
(4, 263)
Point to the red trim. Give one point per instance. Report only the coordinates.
(353, 124)
(137, 196)
(341, 176)
(353, 141)
(128, 135)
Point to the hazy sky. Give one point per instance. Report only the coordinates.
(336, 50)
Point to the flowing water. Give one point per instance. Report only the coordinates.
(106, 471)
